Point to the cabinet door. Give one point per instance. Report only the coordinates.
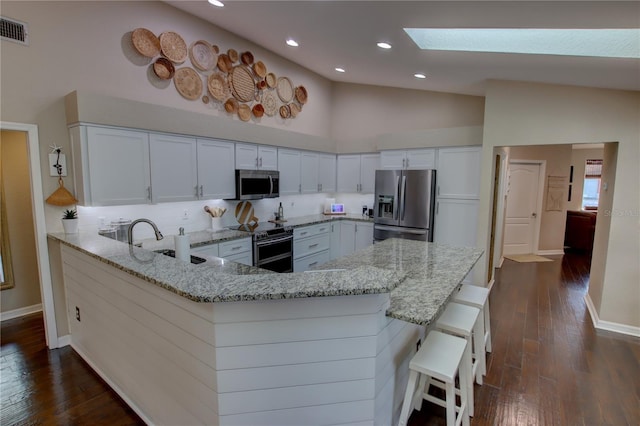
(364, 235)
(419, 159)
(334, 249)
(118, 166)
(311, 261)
(459, 172)
(244, 258)
(369, 163)
(327, 172)
(216, 171)
(267, 158)
(348, 173)
(246, 156)
(289, 166)
(393, 160)
(208, 250)
(455, 222)
(309, 172)
(347, 238)
(174, 175)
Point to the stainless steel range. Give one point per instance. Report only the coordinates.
(272, 246)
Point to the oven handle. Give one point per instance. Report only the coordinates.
(271, 242)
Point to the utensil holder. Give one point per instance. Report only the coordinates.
(216, 224)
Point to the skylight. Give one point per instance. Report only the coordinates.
(608, 43)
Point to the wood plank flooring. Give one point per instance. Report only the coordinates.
(549, 366)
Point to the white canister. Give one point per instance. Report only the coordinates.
(216, 224)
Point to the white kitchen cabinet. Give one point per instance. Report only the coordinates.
(110, 166)
(411, 159)
(234, 247)
(326, 173)
(208, 250)
(289, 167)
(216, 171)
(355, 236)
(256, 157)
(455, 222)
(174, 175)
(243, 258)
(309, 169)
(459, 172)
(334, 249)
(356, 172)
(311, 245)
(311, 261)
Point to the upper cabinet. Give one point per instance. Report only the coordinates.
(459, 172)
(356, 173)
(111, 166)
(326, 173)
(256, 157)
(306, 172)
(216, 171)
(411, 159)
(309, 169)
(289, 167)
(174, 176)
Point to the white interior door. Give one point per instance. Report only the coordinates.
(522, 209)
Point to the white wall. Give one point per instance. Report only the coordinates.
(536, 114)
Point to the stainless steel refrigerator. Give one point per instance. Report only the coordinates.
(404, 204)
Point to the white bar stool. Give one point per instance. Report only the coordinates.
(464, 321)
(478, 297)
(440, 358)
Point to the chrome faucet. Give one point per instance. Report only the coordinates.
(159, 235)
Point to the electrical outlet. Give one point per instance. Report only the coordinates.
(77, 314)
(185, 214)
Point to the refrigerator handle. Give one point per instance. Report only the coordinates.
(395, 199)
(402, 196)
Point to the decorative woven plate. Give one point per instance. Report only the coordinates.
(173, 47)
(215, 48)
(295, 109)
(270, 103)
(145, 42)
(285, 89)
(301, 94)
(217, 86)
(188, 83)
(244, 112)
(285, 111)
(242, 83)
(271, 80)
(164, 68)
(258, 110)
(260, 69)
(202, 56)
(224, 63)
(247, 58)
(231, 106)
(233, 55)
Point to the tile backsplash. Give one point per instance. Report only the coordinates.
(192, 217)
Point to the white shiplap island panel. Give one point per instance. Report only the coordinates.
(270, 353)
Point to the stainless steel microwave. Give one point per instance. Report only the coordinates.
(257, 184)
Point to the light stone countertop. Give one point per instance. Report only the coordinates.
(420, 276)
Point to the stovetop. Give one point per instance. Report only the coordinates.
(262, 230)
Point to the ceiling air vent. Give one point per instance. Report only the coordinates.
(13, 30)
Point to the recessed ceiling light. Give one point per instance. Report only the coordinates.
(384, 45)
(291, 42)
(601, 42)
(339, 69)
(216, 3)
(419, 75)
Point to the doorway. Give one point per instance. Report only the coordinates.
(524, 205)
(30, 133)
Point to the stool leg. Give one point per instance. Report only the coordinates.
(408, 398)
(463, 374)
(478, 350)
(466, 359)
(487, 327)
(451, 403)
(423, 388)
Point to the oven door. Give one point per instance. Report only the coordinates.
(274, 254)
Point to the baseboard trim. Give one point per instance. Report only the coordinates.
(20, 312)
(113, 386)
(64, 341)
(501, 262)
(490, 284)
(608, 325)
(549, 252)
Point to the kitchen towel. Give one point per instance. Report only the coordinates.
(183, 247)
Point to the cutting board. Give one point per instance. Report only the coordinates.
(245, 213)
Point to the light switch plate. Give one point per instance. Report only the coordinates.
(53, 171)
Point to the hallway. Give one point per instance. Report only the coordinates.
(548, 367)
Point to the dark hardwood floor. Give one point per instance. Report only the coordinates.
(549, 366)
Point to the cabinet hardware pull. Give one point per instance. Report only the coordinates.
(313, 263)
(260, 161)
(407, 163)
(313, 245)
(403, 163)
(149, 193)
(437, 207)
(196, 188)
(303, 233)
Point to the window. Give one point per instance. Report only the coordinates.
(591, 190)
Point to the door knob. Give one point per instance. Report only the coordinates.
(534, 214)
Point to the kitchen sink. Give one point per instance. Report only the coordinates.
(172, 253)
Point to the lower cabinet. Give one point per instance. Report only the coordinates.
(240, 251)
(334, 250)
(355, 236)
(311, 246)
(208, 250)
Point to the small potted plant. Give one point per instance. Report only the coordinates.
(70, 221)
